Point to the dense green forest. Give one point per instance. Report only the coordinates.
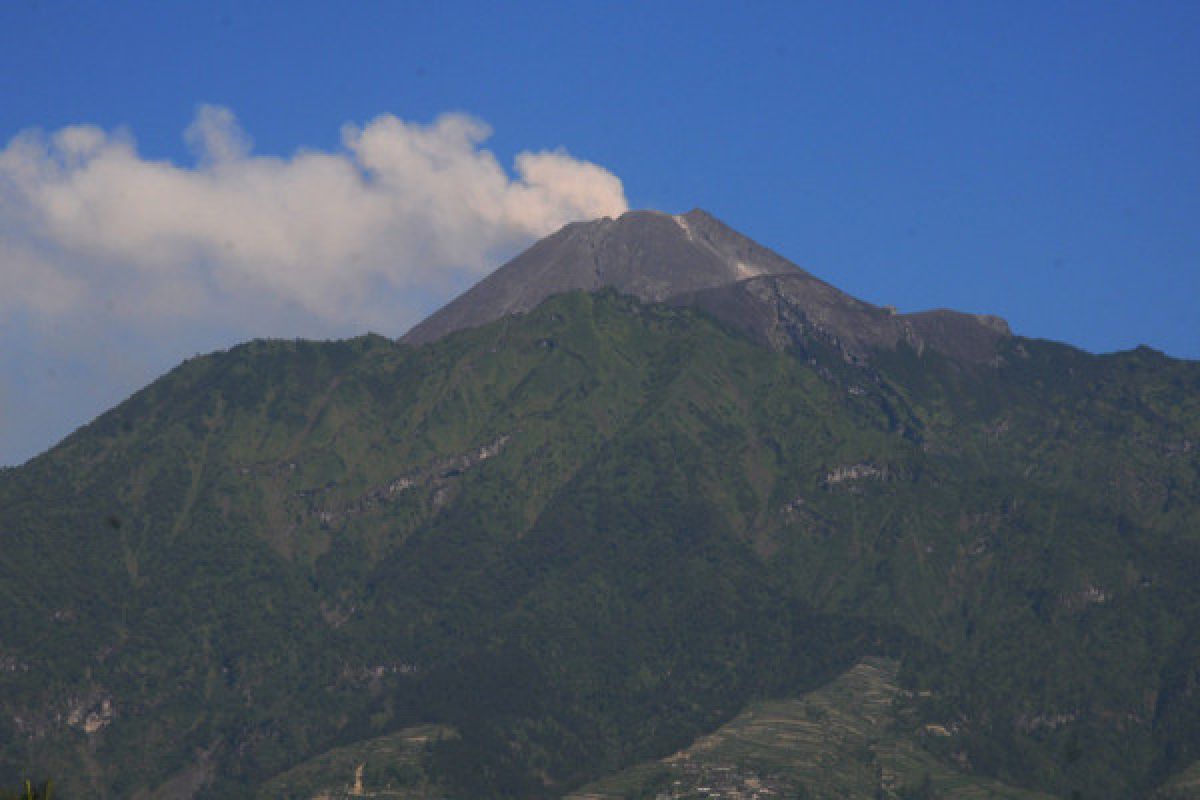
(582, 537)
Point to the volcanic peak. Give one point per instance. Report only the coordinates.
(696, 260)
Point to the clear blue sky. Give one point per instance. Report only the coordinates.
(1036, 160)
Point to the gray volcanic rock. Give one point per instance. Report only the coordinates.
(696, 260)
(647, 254)
(786, 310)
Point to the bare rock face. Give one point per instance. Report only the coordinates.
(786, 310)
(696, 260)
(647, 254)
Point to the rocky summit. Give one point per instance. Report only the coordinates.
(696, 260)
(647, 254)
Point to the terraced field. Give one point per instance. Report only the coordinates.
(841, 741)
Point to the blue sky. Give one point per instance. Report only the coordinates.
(1040, 161)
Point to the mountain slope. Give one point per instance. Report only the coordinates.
(795, 310)
(292, 520)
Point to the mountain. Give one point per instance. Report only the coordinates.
(521, 554)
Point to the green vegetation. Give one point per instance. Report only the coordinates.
(584, 537)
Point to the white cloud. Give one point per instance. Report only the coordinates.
(400, 206)
(97, 240)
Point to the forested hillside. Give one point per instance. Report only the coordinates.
(578, 539)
